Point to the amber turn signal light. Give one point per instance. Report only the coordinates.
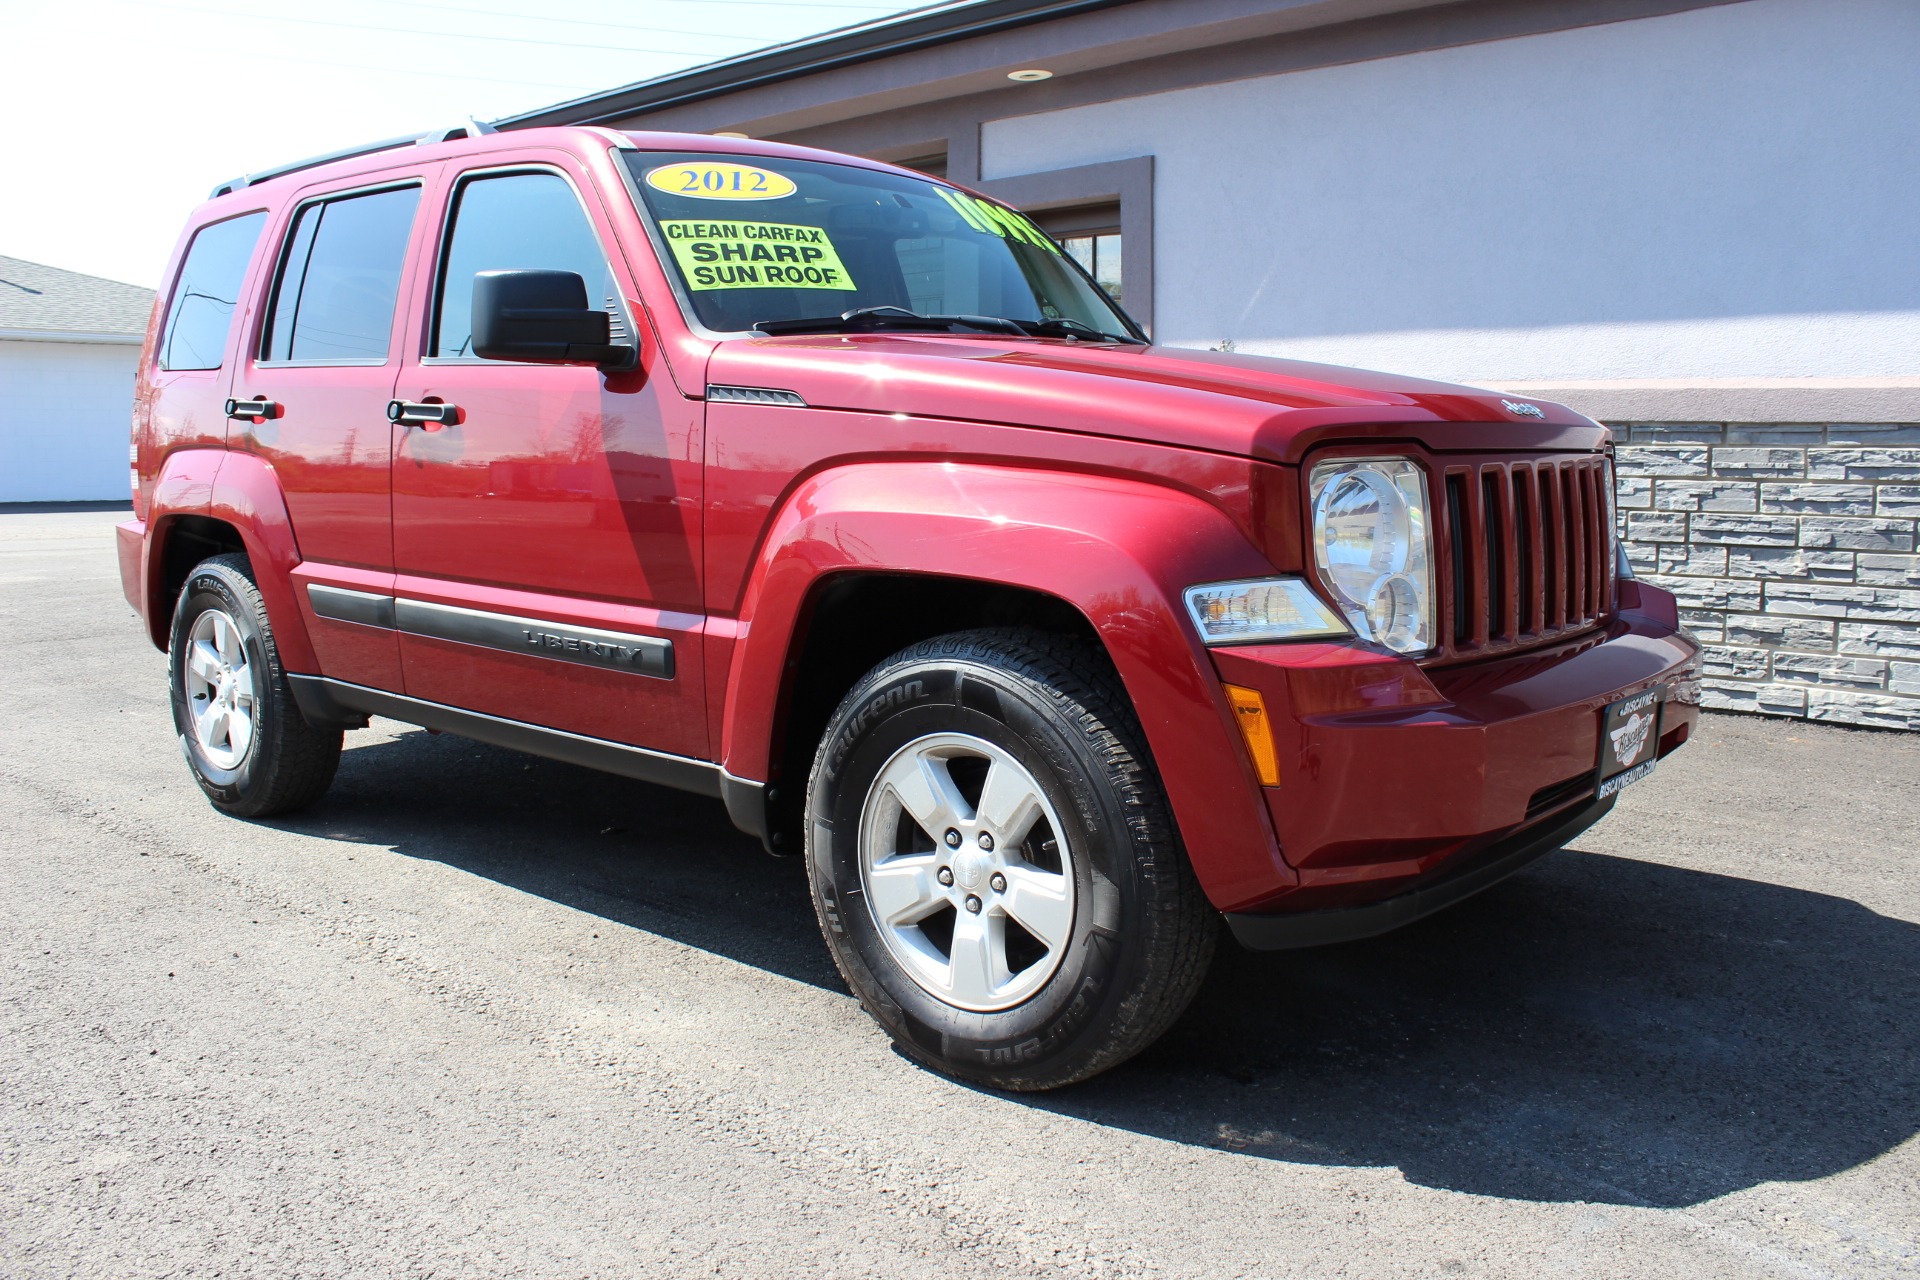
(1250, 713)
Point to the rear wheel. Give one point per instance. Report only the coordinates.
(249, 747)
(994, 864)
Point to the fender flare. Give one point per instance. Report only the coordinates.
(184, 487)
(242, 491)
(1120, 551)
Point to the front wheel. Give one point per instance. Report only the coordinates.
(249, 747)
(994, 864)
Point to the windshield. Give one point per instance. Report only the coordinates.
(761, 240)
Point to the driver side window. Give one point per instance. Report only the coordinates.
(515, 221)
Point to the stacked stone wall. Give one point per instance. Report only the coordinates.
(1793, 551)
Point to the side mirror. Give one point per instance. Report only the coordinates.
(540, 317)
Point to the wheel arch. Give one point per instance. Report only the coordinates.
(1100, 556)
(182, 540)
(210, 503)
(853, 619)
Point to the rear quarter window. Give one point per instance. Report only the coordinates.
(206, 292)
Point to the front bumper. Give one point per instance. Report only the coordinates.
(1394, 777)
(1284, 930)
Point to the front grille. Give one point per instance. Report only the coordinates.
(1527, 557)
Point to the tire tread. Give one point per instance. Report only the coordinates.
(304, 758)
(1080, 682)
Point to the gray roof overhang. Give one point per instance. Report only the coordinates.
(916, 29)
(956, 53)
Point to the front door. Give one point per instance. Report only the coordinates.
(320, 367)
(546, 536)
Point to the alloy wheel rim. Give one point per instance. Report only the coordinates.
(221, 698)
(966, 872)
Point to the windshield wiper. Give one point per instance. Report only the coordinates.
(877, 319)
(880, 319)
(1064, 327)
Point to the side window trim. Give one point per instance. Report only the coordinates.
(443, 243)
(262, 345)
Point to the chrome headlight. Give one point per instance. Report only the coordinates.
(1374, 548)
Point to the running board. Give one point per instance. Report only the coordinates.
(338, 704)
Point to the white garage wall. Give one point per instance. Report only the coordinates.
(66, 410)
(1725, 193)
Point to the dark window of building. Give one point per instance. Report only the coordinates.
(514, 222)
(204, 296)
(1091, 236)
(934, 166)
(1100, 255)
(340, 277)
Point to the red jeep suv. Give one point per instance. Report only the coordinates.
(841, 494)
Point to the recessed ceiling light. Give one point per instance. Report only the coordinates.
(1029, 75)
(726, 133)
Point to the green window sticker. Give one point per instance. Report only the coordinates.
(997, 220)
(754, 255)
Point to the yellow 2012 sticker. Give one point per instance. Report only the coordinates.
(754, 255)
(720, 180)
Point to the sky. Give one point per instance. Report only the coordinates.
(123, 114)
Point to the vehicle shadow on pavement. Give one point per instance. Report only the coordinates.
(1597, 1028)
(647, 857)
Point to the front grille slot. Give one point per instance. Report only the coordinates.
(1554, 606)
(1597, 540)
(1528, 554)
(1457, 538)
(1498, 588)
(1526, 547)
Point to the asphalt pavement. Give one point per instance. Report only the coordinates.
(481, 1015)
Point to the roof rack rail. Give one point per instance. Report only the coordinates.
(471, 129)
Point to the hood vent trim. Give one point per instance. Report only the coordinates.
(755, 395)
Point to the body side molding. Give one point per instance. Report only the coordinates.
(511, 633)
(590, 646)
(342, 604)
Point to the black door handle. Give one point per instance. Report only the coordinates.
(411, 413)
(253, 410)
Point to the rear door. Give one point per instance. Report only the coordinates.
(547, 538)
(313, 388)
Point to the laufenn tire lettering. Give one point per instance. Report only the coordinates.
(886, 701)
(899, 695)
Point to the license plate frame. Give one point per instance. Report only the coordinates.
(1629, 741)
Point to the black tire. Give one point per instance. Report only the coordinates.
(287, 764)
(1142, 932)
